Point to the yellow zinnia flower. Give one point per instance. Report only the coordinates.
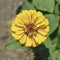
(30, 28)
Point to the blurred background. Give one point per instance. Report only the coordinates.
(7, 13)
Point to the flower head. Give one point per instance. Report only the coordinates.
(30, 28)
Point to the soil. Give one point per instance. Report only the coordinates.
(7, 13)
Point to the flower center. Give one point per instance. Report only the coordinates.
(30, 30)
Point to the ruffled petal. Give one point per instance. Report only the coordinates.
(34, 43)
(47, 29)
(40, 18)
(28, 42)
(42, 32)
(43, 23)
(17, 36)
(23, 39)
(17, 28)
(39, 39)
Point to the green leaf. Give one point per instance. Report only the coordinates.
(57, 9)
(48, 44)
(58, 56)
(54, 42)
(58, 44)
(45, 5)
(12, 44)
(58, 1)
(59, 31)
(51, 45)
(53, 22)
(53, 55)
(27, 5)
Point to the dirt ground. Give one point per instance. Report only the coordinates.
(7, 13)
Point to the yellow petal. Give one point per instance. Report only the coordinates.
(23, 39)
(33, 15)
(46, 29)
(42, 32)
(44, 22)
(18, 23)
(33, 43)
(17, 36)
(19, 32)
(39, 38)
(26, 12)
(32, 11)
(40, 17)
(18, 19)
(29, 15)
(35, 18)
(25, 18)
(15, 28)
(28, 42)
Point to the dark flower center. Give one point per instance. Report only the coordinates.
(30, 29)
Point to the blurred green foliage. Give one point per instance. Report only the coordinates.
(51, 9)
